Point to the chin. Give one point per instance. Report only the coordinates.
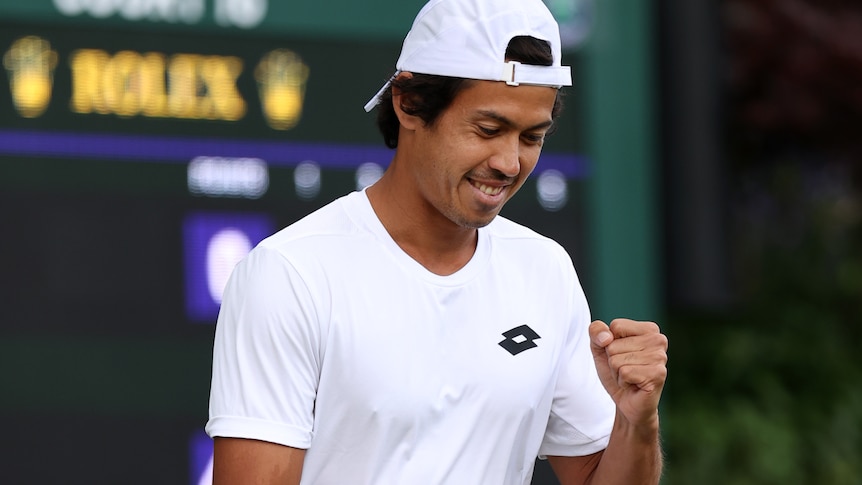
(476, 222)
(472, 219)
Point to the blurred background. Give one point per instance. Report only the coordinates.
(705, 175)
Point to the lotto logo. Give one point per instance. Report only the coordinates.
(519, 339)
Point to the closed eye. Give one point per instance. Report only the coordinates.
(533, 139)
(489, 131)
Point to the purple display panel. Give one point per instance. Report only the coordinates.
(214, 243)
(200, 458)
(164, 149)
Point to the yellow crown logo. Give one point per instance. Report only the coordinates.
(30, 65)
(281, 77)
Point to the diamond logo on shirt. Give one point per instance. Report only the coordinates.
(519, 339)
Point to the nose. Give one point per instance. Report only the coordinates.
(506, 157)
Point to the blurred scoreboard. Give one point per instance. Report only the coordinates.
(137, 166)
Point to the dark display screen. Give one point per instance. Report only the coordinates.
(135, 169)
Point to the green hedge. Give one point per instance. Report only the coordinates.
(770, 391)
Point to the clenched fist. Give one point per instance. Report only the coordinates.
(631, 360)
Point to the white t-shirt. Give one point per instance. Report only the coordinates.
(332, 339)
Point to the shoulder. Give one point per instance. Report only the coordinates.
(510, 234)
(526, 254)
(330, 220)
(320, 239)
(298, 256)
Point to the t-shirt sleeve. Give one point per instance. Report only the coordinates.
(266, 355)
(582, 412)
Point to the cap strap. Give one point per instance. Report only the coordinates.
(374, 101)
(515, 73)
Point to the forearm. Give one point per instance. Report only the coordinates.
(633, 455)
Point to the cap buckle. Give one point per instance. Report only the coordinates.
(509, 73)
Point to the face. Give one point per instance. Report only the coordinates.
(479, 151)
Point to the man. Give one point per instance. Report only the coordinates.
(406, 334)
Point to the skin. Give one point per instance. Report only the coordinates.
(253, 462)
(430, 198)
(446, 180)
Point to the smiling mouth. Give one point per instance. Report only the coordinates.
(485, 189)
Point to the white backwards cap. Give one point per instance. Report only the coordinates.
(468, 39)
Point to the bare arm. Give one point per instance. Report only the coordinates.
(631, 360)
(574, 469)
(237, 460)
(632, 457)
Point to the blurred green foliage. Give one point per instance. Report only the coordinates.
(770, 390)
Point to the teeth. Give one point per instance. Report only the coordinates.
(489, 190)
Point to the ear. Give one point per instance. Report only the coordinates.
(402, 101)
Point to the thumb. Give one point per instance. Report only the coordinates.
(600, 336)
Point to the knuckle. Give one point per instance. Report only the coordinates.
(662, 357)
(663, 373)
(627, 373)
(621, 322)
(617, 361)
(659, 340)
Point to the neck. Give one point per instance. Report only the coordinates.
(434, 241)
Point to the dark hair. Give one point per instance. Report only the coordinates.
(430, 95)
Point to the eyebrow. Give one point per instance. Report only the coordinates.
(506, 121)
